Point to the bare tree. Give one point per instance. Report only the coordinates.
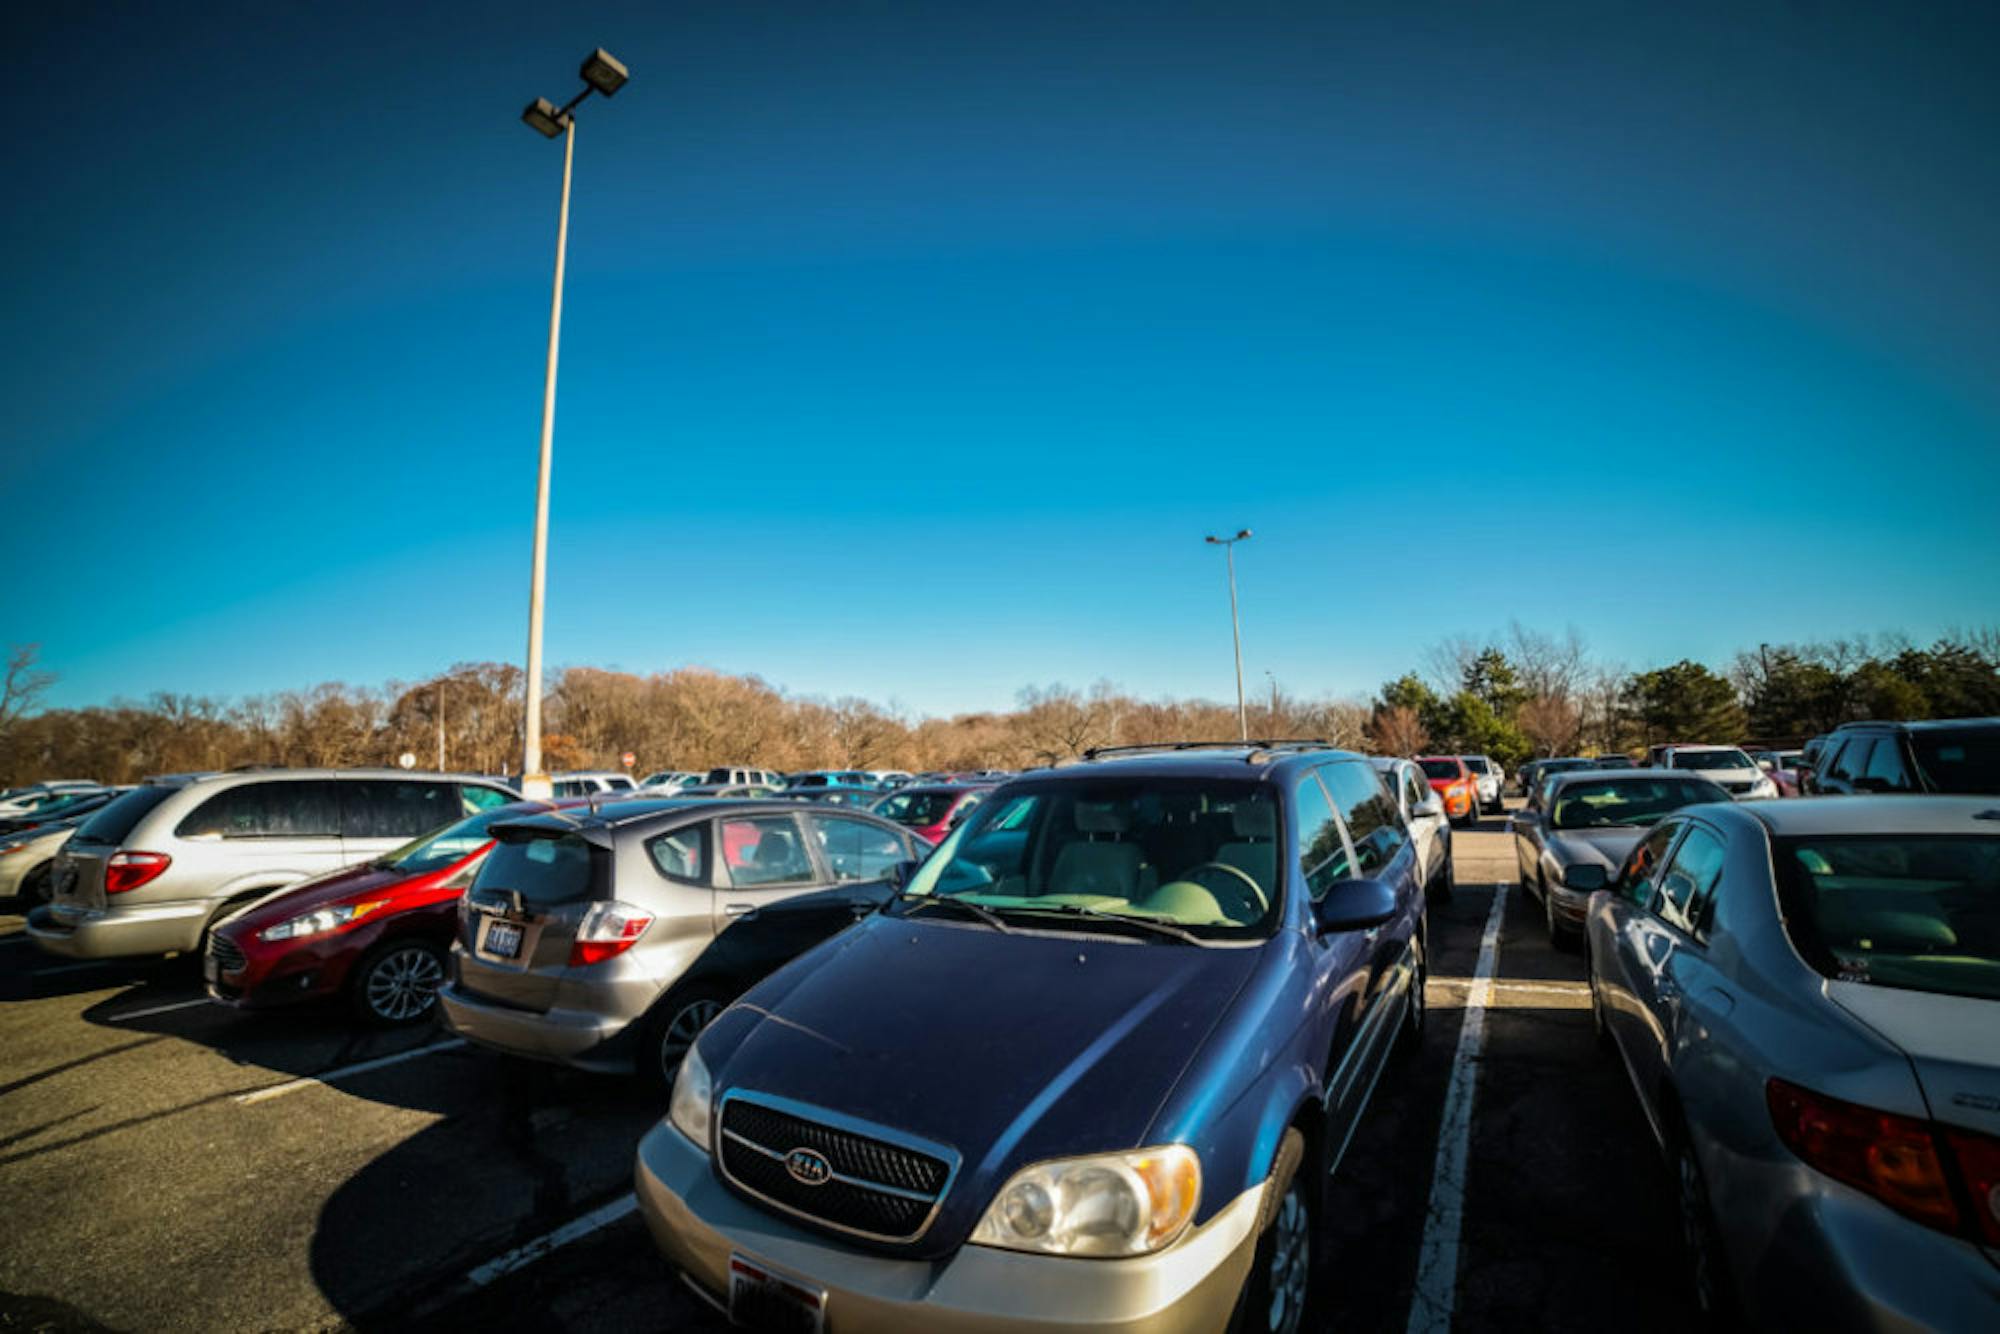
(1397, 730)
(24, 686)
(1546, 665)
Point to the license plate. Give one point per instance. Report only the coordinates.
(761, 1299)
(503, 940)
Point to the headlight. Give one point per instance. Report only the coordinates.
(1109, 1204)
(321, 921)
(693, 1099)
(1763, 787)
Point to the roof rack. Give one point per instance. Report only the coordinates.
(1260, 750)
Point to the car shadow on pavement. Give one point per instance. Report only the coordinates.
(524, 1149)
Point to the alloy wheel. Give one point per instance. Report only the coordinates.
(1291, 1263)
(403, 983)
(681, 1031)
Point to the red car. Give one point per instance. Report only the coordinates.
(376, 934)
(1456, 785)
(932, 811)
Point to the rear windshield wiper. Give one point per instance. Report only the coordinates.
(979, 910)
(1100, 915)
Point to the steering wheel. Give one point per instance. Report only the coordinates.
(1257, 897)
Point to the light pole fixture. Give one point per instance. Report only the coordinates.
(1228, 545)
(601, 73)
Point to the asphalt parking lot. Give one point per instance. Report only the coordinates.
(167, 1164)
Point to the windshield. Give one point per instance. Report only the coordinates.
(1911, 911)
(1710, 759)
(916, 809)
(1613, 762)
(1592, 804)
(441, 847)
(1200, 854)
(1960, 761)
(1440, 768)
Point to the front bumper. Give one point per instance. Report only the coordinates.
(568, 1037)
(117, 933)
(698, 1222)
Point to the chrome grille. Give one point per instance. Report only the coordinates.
(883, 1185)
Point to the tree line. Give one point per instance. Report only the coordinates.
(1516, 695)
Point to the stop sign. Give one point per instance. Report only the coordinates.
(628, 759)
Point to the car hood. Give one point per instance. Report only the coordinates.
(1008, 1048)
(304, 897)
(1953, 1042)
(1723, 776)
(1606, 847)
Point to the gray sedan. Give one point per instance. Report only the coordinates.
(1589, 821)
(1806, 995)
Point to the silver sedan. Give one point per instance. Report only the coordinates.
(1806, 996)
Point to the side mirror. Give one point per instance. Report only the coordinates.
(899, 875)
(1355, 905)
(1431, 805)
(1584, 879)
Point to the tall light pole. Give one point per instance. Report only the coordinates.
(1228, 545)
(601, 74)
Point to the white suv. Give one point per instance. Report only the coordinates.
(1725, 766)
(1488, 777)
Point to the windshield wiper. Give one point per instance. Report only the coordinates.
(979, 910)
(1100, 915)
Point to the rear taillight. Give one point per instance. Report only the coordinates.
(1893, 1158)
(1979, 1167)
(608, 930)
(129, 870)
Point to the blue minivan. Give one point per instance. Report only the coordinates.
(1091, 1068)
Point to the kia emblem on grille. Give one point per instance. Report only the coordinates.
(808, 1168)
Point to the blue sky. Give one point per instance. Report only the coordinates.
(910, 350)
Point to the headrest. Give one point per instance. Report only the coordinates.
(1101, 817)
(1254, 819)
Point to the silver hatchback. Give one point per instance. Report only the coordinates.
(149, 873)
(575, 939)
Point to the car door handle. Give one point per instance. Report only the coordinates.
(739, 909)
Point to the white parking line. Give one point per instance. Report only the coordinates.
(327, 1077)
(157, 1009)
(522, 1256)
(1437, 1263)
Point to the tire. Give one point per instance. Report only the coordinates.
(1707, 1266)
(676, 1024)
(396, 983)
(1274, 1296)
(1445, 882)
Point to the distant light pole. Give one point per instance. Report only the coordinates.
(1274, 701)
(1228, 545)
(601, 74)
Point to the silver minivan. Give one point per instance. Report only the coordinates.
(150, 872)
(574, 941)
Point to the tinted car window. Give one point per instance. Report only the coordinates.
(1959, 760)
(1885, 771)
(478, 798)
(857, 850)
(392, 808)
(1373, 823)
(1852, 759)
(539, 867)
(682, 854)
(1440, 768)
(764, 852)
(1912, 911)
(916, 808)
(1323, 861)
(1690, 878)
(309, 809)
(114, 821)
(1645, 858)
